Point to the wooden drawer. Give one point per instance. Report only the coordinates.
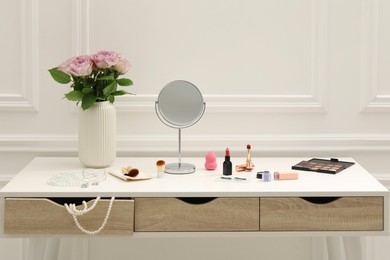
(321, 214)
(196, 214)
(43, 216)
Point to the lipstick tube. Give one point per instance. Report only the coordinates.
(248, 157)
(227, 164)
(285, 175)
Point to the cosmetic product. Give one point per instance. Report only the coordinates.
(248, 165)
(160, 165)
(240, 179)
(226, 178)
(285, 175)
(242, 167)
(130, 171)
(331, 166)
(259, 175)
(133, 172)
(266, 176)
(211, 161)
(227, 164)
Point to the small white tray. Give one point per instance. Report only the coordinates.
(140, 177)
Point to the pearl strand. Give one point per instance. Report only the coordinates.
(66, 179)
(84, 211)
(73, 211)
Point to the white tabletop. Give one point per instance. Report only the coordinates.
(354, 181)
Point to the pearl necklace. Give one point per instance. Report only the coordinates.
(77, 178)
(66, 179)
(71, 208)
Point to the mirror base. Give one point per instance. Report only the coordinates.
(179, 168)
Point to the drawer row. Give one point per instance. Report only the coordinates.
(43, 216)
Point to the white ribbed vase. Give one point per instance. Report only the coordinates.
(97, 135)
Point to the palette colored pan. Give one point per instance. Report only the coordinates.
(331, 166)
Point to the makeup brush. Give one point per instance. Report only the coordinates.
(130, 171)
(133, 172)
(160, 164)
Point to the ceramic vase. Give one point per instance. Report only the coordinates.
(97, 135)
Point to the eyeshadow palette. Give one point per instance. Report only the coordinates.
(331, 166)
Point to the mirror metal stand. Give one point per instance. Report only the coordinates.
(179, 167)
(180, 105)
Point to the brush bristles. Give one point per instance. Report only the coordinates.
(160, 165)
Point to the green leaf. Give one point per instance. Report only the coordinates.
(120, 93)
(59, 76)
(88, 101)
(109, 88)
(108, 77)
(74, 95)
(124, 82)
(99, 85)
(88, 82)
(111, 98)
(86, 90)
(77, 85)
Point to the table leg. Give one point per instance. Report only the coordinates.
(52, 248)
(40, 248)
(344, 248)
(335, 247)
(353, 248)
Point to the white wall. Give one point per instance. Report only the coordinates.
(293, 78)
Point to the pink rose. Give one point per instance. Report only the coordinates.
(78, 66)
(105, 59)
(122, 66)
(64, 66)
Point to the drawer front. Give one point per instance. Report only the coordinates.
(315, 214)
(42, 216)
(196, 214)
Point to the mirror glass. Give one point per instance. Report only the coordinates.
(180, 103)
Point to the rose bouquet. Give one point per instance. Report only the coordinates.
(94, 77)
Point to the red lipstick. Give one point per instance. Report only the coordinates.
(227, 164)
(248, 158)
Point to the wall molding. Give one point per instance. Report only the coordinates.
(371, 101)
(227, 103)
(369, 52)
(27, 100)
(80, 27)
(198, 143)
(315, 101)
(231, 103)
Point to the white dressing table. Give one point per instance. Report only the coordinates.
(350, 203)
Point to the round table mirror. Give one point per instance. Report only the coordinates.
(179, 105)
